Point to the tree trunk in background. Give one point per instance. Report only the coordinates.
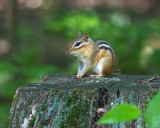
(63, 101)
(10, 22)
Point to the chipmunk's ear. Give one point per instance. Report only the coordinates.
(79, 33)
(85, 36)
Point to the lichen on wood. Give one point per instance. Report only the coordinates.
(63, 101)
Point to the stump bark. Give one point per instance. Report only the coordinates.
(63, 101)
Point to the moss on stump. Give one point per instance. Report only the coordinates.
(63, 101)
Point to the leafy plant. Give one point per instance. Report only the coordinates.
(120, 113)
(152, 114)
(126, 112)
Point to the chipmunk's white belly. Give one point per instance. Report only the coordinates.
(99, 67)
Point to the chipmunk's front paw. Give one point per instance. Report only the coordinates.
(79, 76)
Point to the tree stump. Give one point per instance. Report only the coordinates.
(63, 101)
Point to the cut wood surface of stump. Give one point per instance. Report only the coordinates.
(63, 101)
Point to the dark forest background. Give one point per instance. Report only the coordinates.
(34, 35)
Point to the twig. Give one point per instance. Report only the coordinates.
(148, 80)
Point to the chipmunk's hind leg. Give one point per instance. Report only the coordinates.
(95, 75)
(98, 68)
(107, 67)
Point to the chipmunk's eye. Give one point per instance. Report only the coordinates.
(78, 43)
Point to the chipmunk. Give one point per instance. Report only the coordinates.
(96, 56)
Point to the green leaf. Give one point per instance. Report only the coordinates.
(152, 114)
(120, 113)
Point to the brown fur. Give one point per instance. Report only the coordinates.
(89, 55)
(108, 63)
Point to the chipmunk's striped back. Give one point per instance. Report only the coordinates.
(102, 44)
(94, 56)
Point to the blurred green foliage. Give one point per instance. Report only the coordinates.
(4, 116)
(41, 43)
